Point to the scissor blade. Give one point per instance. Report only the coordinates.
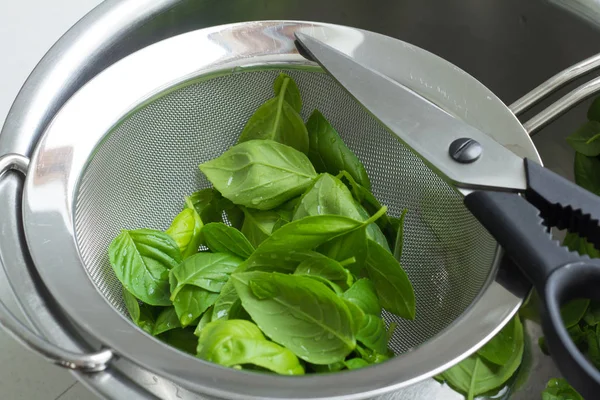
(419, 124)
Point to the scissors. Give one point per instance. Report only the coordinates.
(515, 199)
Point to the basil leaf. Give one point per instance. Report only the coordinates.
(393, 287)
(329, 153)
(373, 334)
(349, 245)
(587, 172)
(364, 295)
(592, 314)
(191, 301)
(166, 320)
(559, 389)
(302, 315)
(502, 346)
(475, 375)
(356, 363)
(204, 320)
(186, 231)
(226, 303)
(573, 311)
(325, 267)
(574, 242)
(593, 345)
(357, 315)
(328, 196)
(593, 113)
(371, 205)
(206, 203)
(371, 356)
(310, 232)
(182, 339)
(258, 225)
(238, 342)
(141, 260)
(287, 209)
(286, 85)
(240, 173)
(141, 315)
(278, 120)
(400, 236)
(209, 271)
(373, 231)
(283, 261)
(221, 238)
(334, 287)
(333, 367)
(586, 139)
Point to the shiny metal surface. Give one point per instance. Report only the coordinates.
(419, 124)
(61, 157)
(86, 362)
(509, 45)
(561, 106)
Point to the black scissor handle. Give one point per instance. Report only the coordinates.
(557, 274)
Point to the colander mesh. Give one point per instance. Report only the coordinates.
(140, 172)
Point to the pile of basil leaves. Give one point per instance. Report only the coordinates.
(495, 364)
(284, 265)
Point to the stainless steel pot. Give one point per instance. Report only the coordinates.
(32, 111)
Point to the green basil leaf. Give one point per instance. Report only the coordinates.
(373, 231)
(371, 356)
(560, 389)
(593, 113)
(209, 271)
(279, 261)
(182, 339)
(191, 302)
(573, 311)
(221, 238)
(356, 363)
(258, 225)
(206, 203)
(357, 315)
(333, 367)
(364, 295)
(166, 320)
(325, 267)
(142, 315)
(287, 209)
(349, 245)
(587, 172)
(593, 345)
(502, 346)
(303, 315)
(286, 85)
(238, 342)
(393, 287)
(309, 232)
(373, 334)
(240, 174)
(475, 375)
(141, 260)
(334, 287)
(399, 236)
(329, 153)
(592, 314)
(328, 196)
(574, 242)
(227, 303)
(204, 320)
(186, 231)
(370, 203)
(586, 139)
(279, 120)
(280, 223)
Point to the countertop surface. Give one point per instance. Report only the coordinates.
(27, 30)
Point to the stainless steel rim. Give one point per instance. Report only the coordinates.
(50, 189)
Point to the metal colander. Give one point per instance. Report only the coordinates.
(124, 151)
(139, 174)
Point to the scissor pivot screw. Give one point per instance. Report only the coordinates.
(465, 150)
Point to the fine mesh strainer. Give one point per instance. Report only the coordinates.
(124, 150)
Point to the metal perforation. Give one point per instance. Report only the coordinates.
(139, 175)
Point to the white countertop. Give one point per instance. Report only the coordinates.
(28, 28)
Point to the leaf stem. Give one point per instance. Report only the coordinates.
(348, 261)
(376, 216)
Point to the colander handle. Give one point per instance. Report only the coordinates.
(557, 274)
(92, 362)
